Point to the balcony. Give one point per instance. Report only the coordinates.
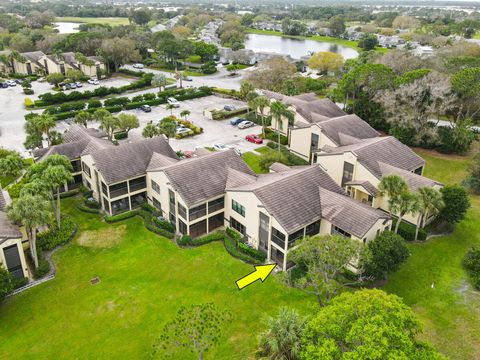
(118, 189)
(137, 184)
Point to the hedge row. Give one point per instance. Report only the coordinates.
(407, 231)
(51, 238)
(84, 208)
(186, 240)
(222, 114)
(61, 97)
(232, 248)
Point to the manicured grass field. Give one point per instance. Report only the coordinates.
(91, 20)
(433, 281)
(144, 280)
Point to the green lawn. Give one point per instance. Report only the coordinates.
(433, 281)
(92, 20)
(330, 39)
(144, 280)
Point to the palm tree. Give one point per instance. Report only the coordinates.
(83, 117)
(279, 110)
(168, 128)
(150, 131)
(108, 123)
(32, 211)
(259, 104)
(184, 114)
(392, 186)
(57, 176)
(282, 339)
(45, 123)
(430, 203)
(170, 107)
(405, 202)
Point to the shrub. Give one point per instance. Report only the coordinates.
(407, 231)
(185, 240)
(254, 253)
(94, 104)
(273, 136)
(28, 91)
(231, 246)
(471, 262)
(84, 208)
(53, 237)
(28, 103)
(121, 135)
(222, 114)
(456, 202)
(233, 234)
(43, 267)
(6, 283)
(116, 101)
(120, 217)
(68, 194)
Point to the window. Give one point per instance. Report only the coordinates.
(347, 173)
(155, 187)
(238, 208)
(182, 211)
(337, 231)
(198, 212)
(157, 204)
(215, 221)
(312, 229)
(137, 184)
(86, 169)
(171, 196)
(292, 238)
(182, 227)
(138, 199)
(118, 189)
(215, 205)
(106, 205)
(104, 189)
(198, 229)
(278, 238)
(76, 166)
(419, 170)
(121, 205)
(237, 226)
(314, 142)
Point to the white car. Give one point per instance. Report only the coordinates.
(79, 84)
(93, 82)
(11, 83)
(174, 102)
(183, 130)
(245, 124)
(220, 147)
(138, 66)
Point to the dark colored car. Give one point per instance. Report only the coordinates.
(3, 85)
(146, 108)
(229, 108)
(236, 121)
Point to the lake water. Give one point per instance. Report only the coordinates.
(294, 47)
(67, 27)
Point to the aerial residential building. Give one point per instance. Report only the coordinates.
(12, 257)
(274, 210)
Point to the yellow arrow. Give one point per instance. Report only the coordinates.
(261, 272)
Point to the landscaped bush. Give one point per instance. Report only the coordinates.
(471, 262)
(121, 135)
(94, 104)
(116, 101)
(43, 267)
(28, 91)
(229, 92)
(232, 248)
(407, 231)
(68, 194)
(186, 240)
(84, 208)
(254, 253)
(28, 103)
(222, 114)
(131, 72)
(53, 237)
(273, 136)
(233, 234)
(120, 217)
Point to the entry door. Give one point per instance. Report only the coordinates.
(14, 264)
(263, 232)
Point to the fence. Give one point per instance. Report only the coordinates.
(32, 284)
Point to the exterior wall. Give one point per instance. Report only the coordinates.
(51, 66)
(300, 140)
(91, 71)
(21, 68)
(18, 243)
(333, 164)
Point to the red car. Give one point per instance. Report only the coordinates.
(254, 138)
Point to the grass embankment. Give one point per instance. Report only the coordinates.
(329, 39)
(144, 279)
(92, 20)
(433, 280)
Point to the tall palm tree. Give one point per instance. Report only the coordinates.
(259, 104)
(57, 176)
(430, 203)
(406, 202)
(282, 339)
(83, 117)
(278, 111)
(168, 128)
(184, 114)
(32, 211)
(392, 186)
(45, 123)
(170, 107)
(150, 130)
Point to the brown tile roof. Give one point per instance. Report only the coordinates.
(348, 214)
(205, 177)
(413, 180)
(367, 185)
(33, 56)
(7, 228)
(350, 125)
(159, 160)
(279, 167)
(371, 152)
(130, 160)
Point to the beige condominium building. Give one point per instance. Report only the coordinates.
(12, 257)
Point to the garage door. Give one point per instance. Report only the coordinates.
(14, 264)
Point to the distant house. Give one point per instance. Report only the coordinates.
(29, 63)
(12, 257)
(423, 51)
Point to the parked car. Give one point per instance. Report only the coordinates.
(220, 147)
(187, 78)
(72, 85)
(183, 130)
(18, 81)
(229, 108)
(189, 154)
(3, 85)
(93, 82)
(11, 83)
(236, 121)
(245, 124)
(78, 84)
(254, 139)
(146, 108)
(174, 102)
(138, 66)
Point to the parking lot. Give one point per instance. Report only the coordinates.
(214, 131)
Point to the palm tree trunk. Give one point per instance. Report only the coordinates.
(263, 126)
(397, 225)
(33, 246)
(419, 222)
(278, 133)
(58, 208)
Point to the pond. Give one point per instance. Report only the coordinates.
(67, 27)
(296, 48)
